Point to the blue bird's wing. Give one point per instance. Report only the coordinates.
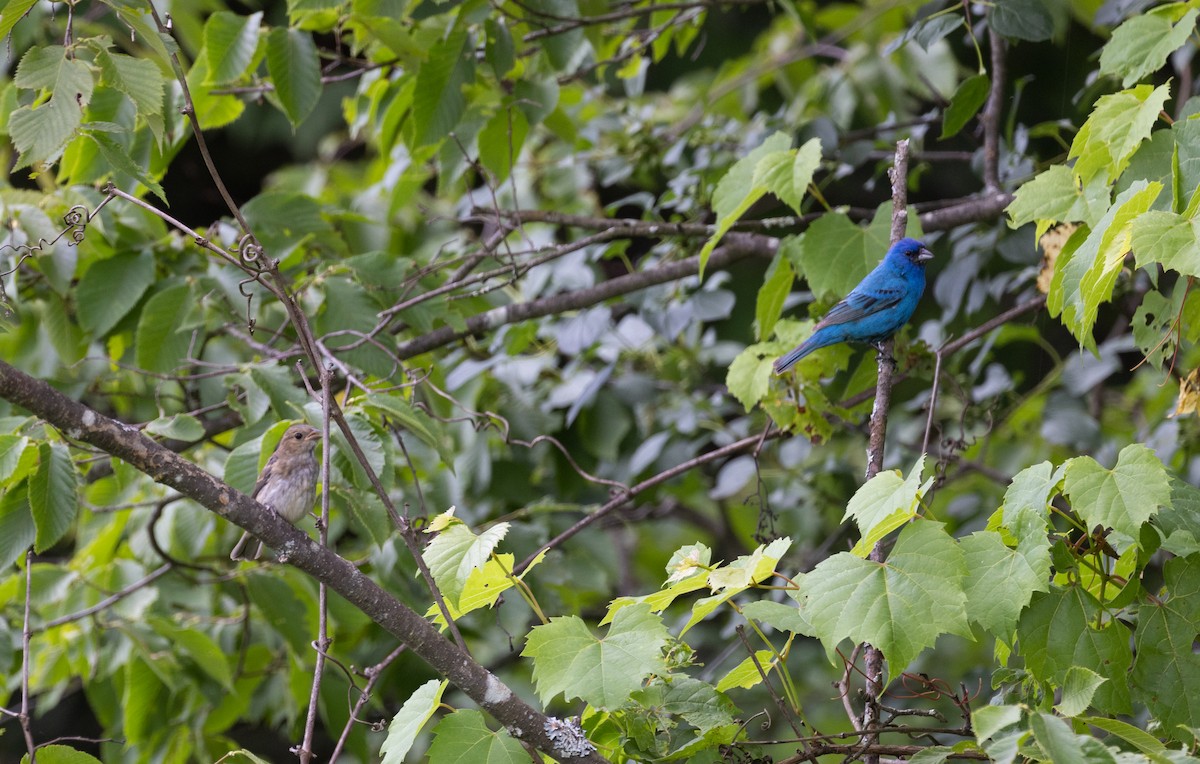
(858, 305)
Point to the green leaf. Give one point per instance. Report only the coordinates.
(1166, 668)
(138, 78)
(1113, 131)
(568, 659)
(1087, 276)
(1058, 631)
(61, 754)
(408, 721)
(740, 187)
(283, 221)
(1022, 19)
(142, 701)
(964, 104)
(989, 720)
(698, 703)
(1077, 690)
(1027, 502)
(1138, 738)
(110, 288)
(835, 254)
(788, 173)
(53, 496)
(119, 160)
(746, 674)
(568, 50)
(212, 110)
(287, 607)
(778, 615)
(41, 133)
(1167, 239)
(463, 737)
(1055, 195)
(456, 552)
(11, 449)
(1001, 581)
(415, 421)
(884, 503)
(899, 606)
(749, 375)
(230, 41)
(1123, 498)
(1060, 743)
(777, 285)
(438, 102)
(500, 142)
(177, 426)
(14, 11)
(200, 648)
(295, 70)
(17, 529)
(1141, 45)
(160, 344)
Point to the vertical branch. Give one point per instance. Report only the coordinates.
(873, 658)
(26, 636)
(322, 643)
(989, 119)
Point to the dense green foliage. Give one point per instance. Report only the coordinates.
(547, 251)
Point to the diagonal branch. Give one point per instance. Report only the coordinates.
(295, 547)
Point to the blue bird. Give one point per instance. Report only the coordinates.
(876, 308)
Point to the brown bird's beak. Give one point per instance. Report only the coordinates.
(924, 255)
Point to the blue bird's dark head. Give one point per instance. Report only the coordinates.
(914, 251)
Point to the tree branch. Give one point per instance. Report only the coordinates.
(295, 547)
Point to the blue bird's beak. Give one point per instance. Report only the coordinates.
(924, 255)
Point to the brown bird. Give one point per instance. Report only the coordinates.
(288, 482)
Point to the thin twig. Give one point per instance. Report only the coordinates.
(26, 638)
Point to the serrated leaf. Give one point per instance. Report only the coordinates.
(1113, 131)
(1085, 278)
(1166, 667)
(777, 285)
(1168, 239)
(1021, 19)
(17, 529)
(1057, 631)
(203, 651)
(456, 552)
(408, 721)
(463, 737)
(834, 254)
(1055, 195)
(569, 659)
(295, 70)
(119, 161)
(160, 346)
(1141, 45)
(138, 78)
(230, 41)
(749, 376)
(14, 11)
(746, 674)
(53, 496)
(177, 426)
(965, 104)
(414, 420)
(11, 449)
(142, 699)
(1001, 581)
(110, 288)
(1077, 690)
(884, 503)
(500, 141)
(738, 189)
(1122, 498)
(899, 606)
(788, 173)
(438, 101)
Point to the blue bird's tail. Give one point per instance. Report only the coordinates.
(785, 362)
